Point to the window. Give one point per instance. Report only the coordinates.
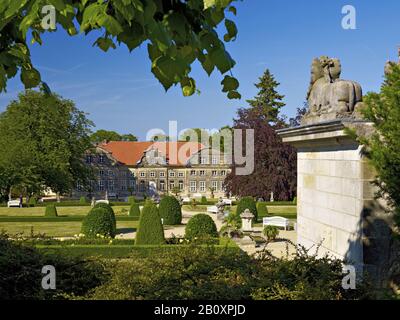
(214, 185)
(110, 173)
(202, 172)
(192, 172)
(172, 174)
(203, 160)
(142, 186)
(214, 173)
(214, 160)
(101, 172)
(181, 174)
(171, 185)
(101, 185)
(180, 185)
(111, 185)
(202, 186)
(143, 174)
(162, 174)
(79, 186)
(89, 159)
(162, 185)
(193, 187)
(223, 173)
(152, 174)
(101, 158)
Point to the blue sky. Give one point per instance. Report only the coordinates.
(119, 92)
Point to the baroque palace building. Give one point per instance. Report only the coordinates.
(124, 168)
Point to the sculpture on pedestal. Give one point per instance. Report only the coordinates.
(330, 97)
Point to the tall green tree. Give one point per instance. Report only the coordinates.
(105, 135)
(176, 33)
(268, 102)
(43, 139)
(383, 147)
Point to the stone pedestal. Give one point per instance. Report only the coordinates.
(247, 221)
(336, 208)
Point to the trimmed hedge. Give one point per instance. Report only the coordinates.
(262, 209)
(204, 200)
(110, 211)
(134, 210)
(131, 199)
(82, 200)
(150, 229)
(201, 226)
(247, 203)
(51, 211)
(170, 211)
(98, 221)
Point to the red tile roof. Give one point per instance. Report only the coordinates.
(129, 152)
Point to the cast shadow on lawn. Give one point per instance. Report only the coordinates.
(126, 230)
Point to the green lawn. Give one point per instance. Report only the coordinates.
(64, 211)
(58, 229)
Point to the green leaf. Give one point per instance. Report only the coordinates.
(233, 10)
(30, 78)
(222, 60)
(231, 29)
(229, 84)
(111, 24)
(105, 44)
(234, 95)
(208, 65)
(58, 4)
(188, 86)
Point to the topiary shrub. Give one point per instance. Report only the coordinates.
(131, 200)
(247, 203)
(51, 211)
(295, 200)
(32, 202)
(82, 200)
(262, 209)
(170, 211)
(110, 212)
(204, 200)
(201, 226)
(98, 221)
(150, 230)
(134, 211)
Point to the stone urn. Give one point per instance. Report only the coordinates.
(247, 221)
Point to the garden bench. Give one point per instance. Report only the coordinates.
(102, 201)
(212, 209)
(227, 201)
(14, 203)
(186, 200)
(276, 221)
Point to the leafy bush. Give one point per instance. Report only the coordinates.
(201, 226)
(192, 272)
(271, 232)
(295, 200)
(134, 210)
(82, 200)
(170, 211)
(110, 212)
(197, 273)
(204, 200)
(98, 221)
(51, 211)
(32, 202)
(247, 203)
(21, 266)
(131, 199)
(150, 230)
(262, 209)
